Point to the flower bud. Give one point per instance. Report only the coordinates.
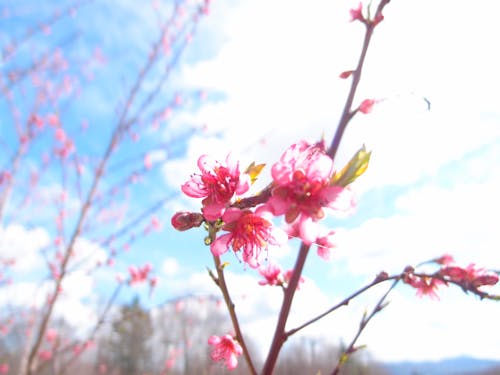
(184, 220)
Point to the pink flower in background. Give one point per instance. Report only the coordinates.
(225, 349)
(249, 232)
(273, 274)
(4, 368)
(217, 184)
(51, 335)
(302, 178)
(45, 355)
(139, 275)
(469, 276)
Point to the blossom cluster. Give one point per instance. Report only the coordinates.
(304, 186)
(469, 278)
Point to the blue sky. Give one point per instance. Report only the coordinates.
(270, 74)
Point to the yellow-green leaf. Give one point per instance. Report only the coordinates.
(355, 168)
(254, 170)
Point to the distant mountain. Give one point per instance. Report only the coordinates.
(453, 366)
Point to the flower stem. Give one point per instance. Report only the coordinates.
(347, 113)
(221, 283)
(279, 334)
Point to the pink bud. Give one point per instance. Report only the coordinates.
(366, 106)
(184, 220)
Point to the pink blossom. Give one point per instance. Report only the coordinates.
(103, 368)
(4, 368)
(139, 275)
(302, 179)
(357, 13)
(272, 273)
(469, 277)
(248, 231)
(45, 355)
(225, 349)
(51, 335)
(425, 285)
(217, 184)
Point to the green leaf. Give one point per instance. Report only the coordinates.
(355, 168)
(254, 170)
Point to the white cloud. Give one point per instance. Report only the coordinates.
(170, 267)
(24, 246)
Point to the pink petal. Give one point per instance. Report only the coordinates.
(214, 340)
(221, 244)
(212, 212)
(232, 362)
(308, 230)
(232, 214)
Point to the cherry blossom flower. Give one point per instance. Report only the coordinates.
(357, 13)
(139, 275)
(217, 184)
(45, 355)
(249, 232)
(273, 274)
(4, 368)
(426, 286)
(225, 349)
(51, 335)
(469, 277)
(302, 179)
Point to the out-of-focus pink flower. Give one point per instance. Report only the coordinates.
(273, 274)
(469, 277)
(357, 13)
(45, 355)
(445, 259)
(217, 184)
(51, 335)
(53, 119)
(139, 274)
(4, 368)
(426, 286)
(249, 232)
(103, 368)
(225, 349)
(366, 106)
(302, 178)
